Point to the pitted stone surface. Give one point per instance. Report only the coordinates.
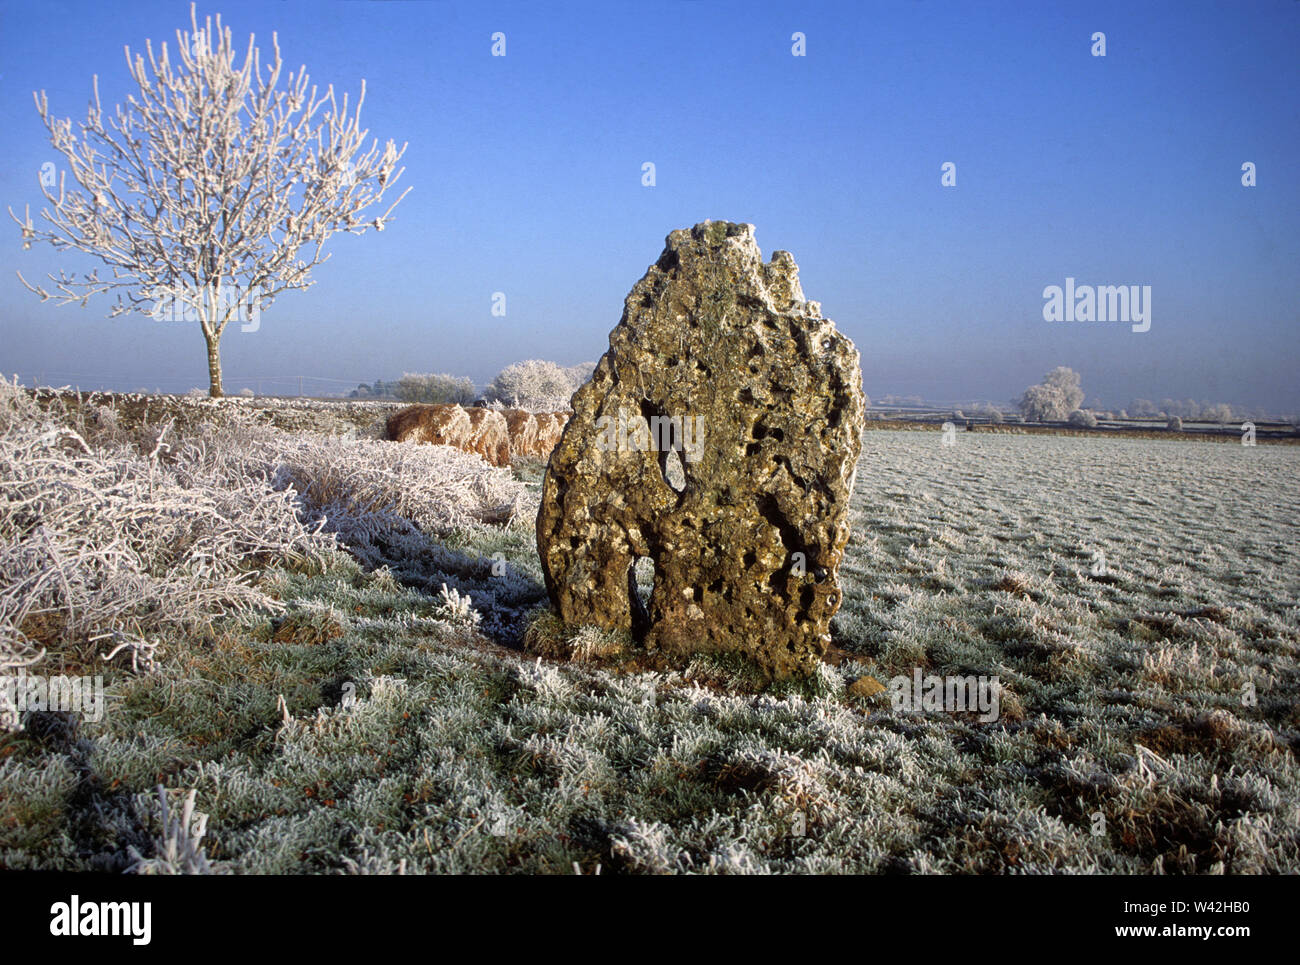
(767, 398)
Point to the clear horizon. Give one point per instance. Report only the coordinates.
(526, 173)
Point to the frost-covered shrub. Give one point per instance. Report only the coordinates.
(107, 543)
(179, 849)
(538, 385)
(364, 487)
(120, 539)
(1083, 419)
(456, 608)
(1175, 424)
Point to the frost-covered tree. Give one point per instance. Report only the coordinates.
(211, 192)
(1083, 419)
(1053, 399)
(580, 373)
(1067, 381)
(435, 389)
(1042, 403)
(1221, 413)
(1143, 409)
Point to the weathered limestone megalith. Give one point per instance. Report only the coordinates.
(720, 366)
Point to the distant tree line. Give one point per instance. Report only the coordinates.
(1188, 410)
(533, 384)
(1059, 398)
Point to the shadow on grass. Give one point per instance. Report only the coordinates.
(489, 565)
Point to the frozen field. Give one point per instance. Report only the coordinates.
(1136, 599)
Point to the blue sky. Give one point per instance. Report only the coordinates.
(526, 176)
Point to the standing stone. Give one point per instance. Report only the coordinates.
(719, 437)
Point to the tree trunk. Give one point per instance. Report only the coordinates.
(214, 365)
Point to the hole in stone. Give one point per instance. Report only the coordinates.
(697, 594)
(753, 449)
(750, 559)
(640, 590)
(794, 476)
(747, 396)
(666, 439)
(776, 582)
(771, 511)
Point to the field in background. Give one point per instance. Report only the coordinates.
(1126, 592)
